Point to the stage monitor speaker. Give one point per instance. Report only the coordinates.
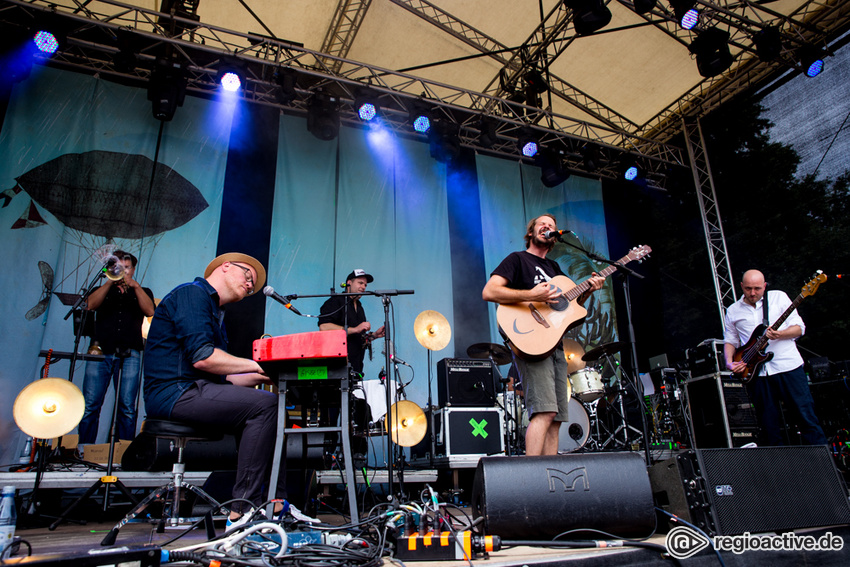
(722, 415)
(542, 497)
(763, 489)
(465, 382)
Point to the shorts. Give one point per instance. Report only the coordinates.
(546, 384)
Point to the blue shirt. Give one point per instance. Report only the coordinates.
(187, 327)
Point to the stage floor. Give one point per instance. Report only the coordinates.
(70, 541)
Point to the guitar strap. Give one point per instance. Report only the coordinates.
(764, 310)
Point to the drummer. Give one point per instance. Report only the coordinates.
(524, 276)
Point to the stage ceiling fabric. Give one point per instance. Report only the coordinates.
(626, 87)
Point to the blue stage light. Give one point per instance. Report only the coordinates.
(814, 69)
(690, 19)
(46, 42)
(529, 149)
(422, 124)
(367, 111)
(230, 82)
(631, 173)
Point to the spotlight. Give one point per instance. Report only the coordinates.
(166, 88)
(590, 157)
(419, 115)
(553, 170)
(527, 143)
(487, 132)
(365, 103)
(323, 116)
(768, 43)
(686, 14)
(535, 81)
(286, 80)
(811, 59)
(712, 52)
(231, 74)
(644, 6)
(589, 15)
(443, 141)
(631, 170)
(46, 42)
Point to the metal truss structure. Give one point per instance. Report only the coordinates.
(100, 38)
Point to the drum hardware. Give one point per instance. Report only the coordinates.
(605, 352)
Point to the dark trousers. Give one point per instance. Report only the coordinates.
(251, 415)
(792, 388)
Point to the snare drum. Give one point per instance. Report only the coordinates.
(587, 384)
(575, 432)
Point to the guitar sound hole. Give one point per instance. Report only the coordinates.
(561, 304)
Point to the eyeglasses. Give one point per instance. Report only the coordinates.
(248, 277)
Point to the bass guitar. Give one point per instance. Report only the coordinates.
(535, 327)
(753, 353)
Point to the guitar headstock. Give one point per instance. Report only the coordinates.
(811, 287)
(638, 253)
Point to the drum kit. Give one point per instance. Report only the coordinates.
(597, 418)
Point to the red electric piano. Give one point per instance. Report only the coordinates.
(319, 357)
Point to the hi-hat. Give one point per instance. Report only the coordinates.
(573, 352)
(603, 350)
(48, 408)
(407, 423)
(432, 330)
(498, 353)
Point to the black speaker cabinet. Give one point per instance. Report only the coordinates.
(541, 497)
(764, 489)
(465, 382)
(722, 415)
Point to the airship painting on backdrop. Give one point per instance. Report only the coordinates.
(102, 196)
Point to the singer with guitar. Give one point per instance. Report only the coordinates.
(781, 376)
(524, 277)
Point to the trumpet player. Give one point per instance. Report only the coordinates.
(120, 304)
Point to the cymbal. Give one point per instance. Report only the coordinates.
(432, 330)
(498, 353)
(573, 352)
(603, 350)
(407, 423)
(48, 408)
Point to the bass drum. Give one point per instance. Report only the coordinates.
(575, 432)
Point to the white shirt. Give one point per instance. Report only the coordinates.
(742, 319)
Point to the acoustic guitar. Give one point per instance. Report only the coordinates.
(535, 327)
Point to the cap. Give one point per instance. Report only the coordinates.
(358, 273)
(241, 259)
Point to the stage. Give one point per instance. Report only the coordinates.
(72, 542)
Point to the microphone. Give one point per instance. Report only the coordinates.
(396, 359)
(389, 344)
(554, 233)
(269, 291)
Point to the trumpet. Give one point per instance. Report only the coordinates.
(114, 269)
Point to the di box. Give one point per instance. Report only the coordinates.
(470, 431)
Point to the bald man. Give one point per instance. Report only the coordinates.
(782, 378)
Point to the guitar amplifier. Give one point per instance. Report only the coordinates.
(722, 415)
(465, 382)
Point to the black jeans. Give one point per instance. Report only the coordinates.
(791, 387)
(251, 415)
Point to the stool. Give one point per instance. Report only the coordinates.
(180, 434)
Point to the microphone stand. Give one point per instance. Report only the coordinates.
(78, 305)
(385, 295)
(638, 386)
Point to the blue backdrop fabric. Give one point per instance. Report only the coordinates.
(368, 199)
